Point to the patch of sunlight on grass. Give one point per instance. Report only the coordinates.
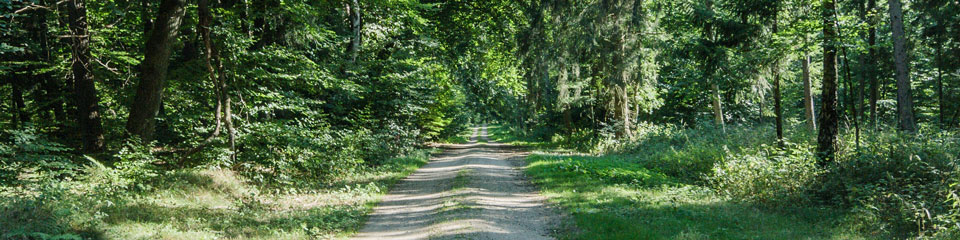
(606, 210)
(459, 138)
(134, 230)
(217, 204)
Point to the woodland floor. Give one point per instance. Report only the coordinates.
(470, 191)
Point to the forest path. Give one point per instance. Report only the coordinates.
(470, 191)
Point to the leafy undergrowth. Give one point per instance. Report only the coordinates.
(463, 136)
(611, 198)
(214, 203)
(503, 134)
(706, 183)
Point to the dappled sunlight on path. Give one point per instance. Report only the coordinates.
(473, 191)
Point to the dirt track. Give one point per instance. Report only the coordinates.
(470, 191)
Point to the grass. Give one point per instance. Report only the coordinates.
(218, 204)
(605, 207)
(623, 196)
(501, 134)
(459, 138)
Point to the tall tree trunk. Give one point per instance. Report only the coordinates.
(851, 99)
(872, 60)
(228, 117)
(829, 124)
(777, 111)
(864, 69)
(146, 103)
(808, 105)
(709, 69)
(214, 65)
(51, 85)
(940, 109)
(85, 92)
(203, 25)
(356, 23)
(904, 97)
(63, 22)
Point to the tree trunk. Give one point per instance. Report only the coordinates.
(871, 62)
(939, 61)
(829, 124)
(808, 105)
(146, 103)
(777, 111)
(904, 97)
(20, 116)
(203, 25)
(708, 73)
(228, 117)
(717, 107)
(851, 99)
(85, 91)
(356, 22)
(51, 85)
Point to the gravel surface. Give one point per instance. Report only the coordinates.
(470, 191)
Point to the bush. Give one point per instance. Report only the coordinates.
(612, 171)
(900, 185)
(768, 175)
(894, 186)
(283, 154)
(26, 156)
(280, 154)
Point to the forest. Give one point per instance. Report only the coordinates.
(638, 119)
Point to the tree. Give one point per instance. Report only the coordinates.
(778, 112)
(870, 64)
(829, 120)
(146, 103)
(709, 68)
(808, 106)
(356, 34)
(904, 96)
(85, 96)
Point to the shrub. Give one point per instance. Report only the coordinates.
(26, 156)
(768, 175)
(283, 154)
(899, 184)
(612, 171)
(280, 154)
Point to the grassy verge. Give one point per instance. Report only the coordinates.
(218, 203)
(606, 205)
(623, 196)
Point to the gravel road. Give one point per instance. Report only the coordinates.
(470, 191)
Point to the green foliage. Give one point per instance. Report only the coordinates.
(768, 175)
(27, 156)
(900, 185)
(282, 154)
(605, 207)
(613, 171)
(194, 203)
(895, 186)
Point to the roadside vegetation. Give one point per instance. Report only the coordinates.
(208, 202)
(700, 183)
